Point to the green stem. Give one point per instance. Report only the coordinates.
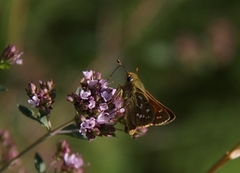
(37, 142)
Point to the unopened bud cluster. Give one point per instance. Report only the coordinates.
(42, 97)
(11, 55)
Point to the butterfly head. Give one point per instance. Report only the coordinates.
(131, 77)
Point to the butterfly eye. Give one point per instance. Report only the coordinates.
(129, 78)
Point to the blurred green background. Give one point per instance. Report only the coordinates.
(187, 53)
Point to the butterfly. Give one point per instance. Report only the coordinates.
(141, 108)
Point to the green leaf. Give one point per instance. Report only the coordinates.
(4, 65)
(39, 163)
(44, 121)
(30, 114)
(2, 88)
(27, 112)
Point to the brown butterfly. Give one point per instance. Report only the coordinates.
(141, 108)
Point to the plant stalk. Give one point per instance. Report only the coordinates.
(37, 142)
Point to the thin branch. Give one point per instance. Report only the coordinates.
(231, 155)
(37, 142)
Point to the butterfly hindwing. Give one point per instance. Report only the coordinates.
(163, 115)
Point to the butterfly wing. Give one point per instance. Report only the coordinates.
(130, 126)
(138, 111)
(144, 112)
(163, 115)
(141, 108)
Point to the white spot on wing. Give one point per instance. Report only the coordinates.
(148, 110)
(140, 106)
(140, 115)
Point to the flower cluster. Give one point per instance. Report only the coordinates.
(11, 55)
(42, 97)
(98, 106)
(72, 163)
(8, 148)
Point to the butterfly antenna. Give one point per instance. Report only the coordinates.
(120, 64)
(113, 72)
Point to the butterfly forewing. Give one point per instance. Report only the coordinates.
(134, 103)
(138, 105)
(143, 110)
(129, 125)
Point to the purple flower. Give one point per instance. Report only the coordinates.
(103, 106)
(92, 83)
(118, 102)
(71, 162)
(85, 94)
(103, 83)
(99, 110)
(104, 118)
(92, 103)
(88, 74)
(87, 125)
(108, 94)
(34, 101)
